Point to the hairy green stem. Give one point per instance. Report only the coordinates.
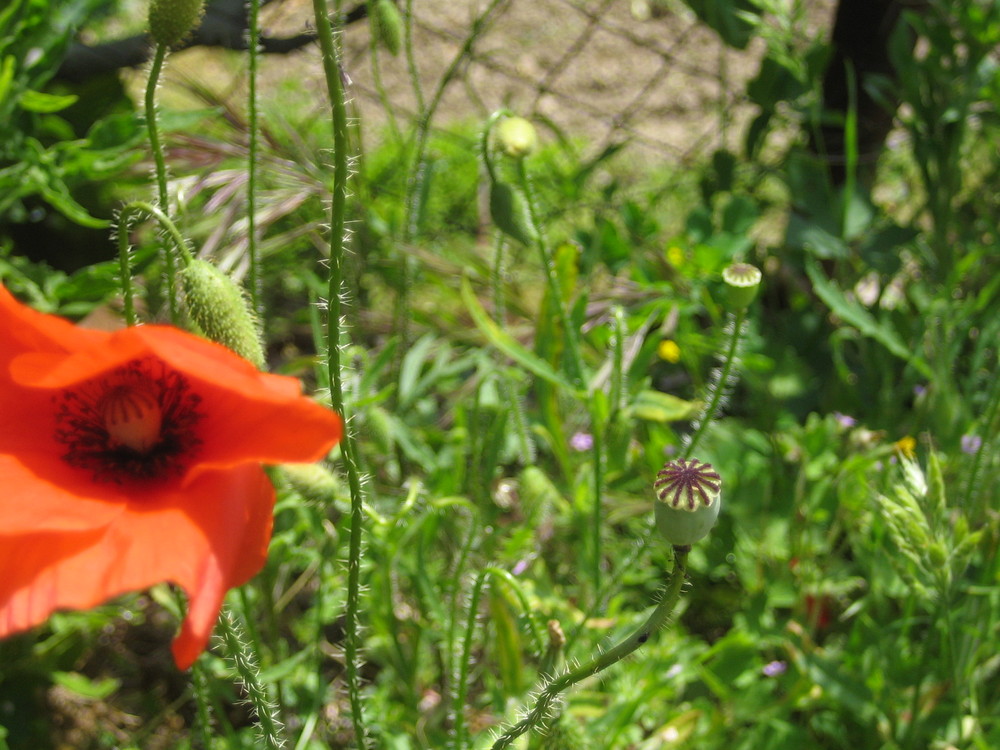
(537, 716)
(162, 196)
(253, 46)
(721, 384)
(459, 731)
(338, 204)
(124, 217)
(247, 666)
(548, 266)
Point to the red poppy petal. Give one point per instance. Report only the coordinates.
(249, 415)
(207, 540)
(49, 496)
(24, 329)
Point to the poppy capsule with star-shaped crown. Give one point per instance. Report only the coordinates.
(688, 499)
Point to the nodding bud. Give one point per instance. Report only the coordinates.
(688, 499)
(218, 307)
(516, 137)
(170, 21)
(387, 25)
(742, 281)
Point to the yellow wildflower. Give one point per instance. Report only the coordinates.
(906, 446)
(669, 351)
(675, 256)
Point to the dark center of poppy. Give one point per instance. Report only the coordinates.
(135, 423)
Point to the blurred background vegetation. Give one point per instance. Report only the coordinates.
(848, 597)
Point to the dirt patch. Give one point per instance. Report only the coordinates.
(595, 69)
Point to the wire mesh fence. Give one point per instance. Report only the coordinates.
(604, 71)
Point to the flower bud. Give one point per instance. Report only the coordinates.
(742, 281)
(387, 25)
(689, 496)
(313, 481)
(516, 137)
(217, 306)
(509, 212)
(170, 21)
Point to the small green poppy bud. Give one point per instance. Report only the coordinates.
(516, 137)
(217, 306)
(742, 281)
(387, 25)
(689, 496)
(170, 21)
(510, 212)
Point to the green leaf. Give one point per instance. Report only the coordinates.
(508, 345)
(656, 406)
(855, 315)
(37, 101)
(85, 687)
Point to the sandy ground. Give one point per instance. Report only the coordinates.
(596, 69)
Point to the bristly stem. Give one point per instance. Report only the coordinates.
(242, 653)
(124, 217)
(721, 384)
(540, 711)
(253, 46)
(162, 196)
(338, 204)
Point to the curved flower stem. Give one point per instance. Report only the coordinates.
(656, 620)
(253, 31)
(548, 266)
(161, 168)
(125, 215)
(720, 385)
(245, 659)
(335, 90)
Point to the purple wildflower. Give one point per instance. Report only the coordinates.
(844, 420)
(581, 441)
(774, 668)
(971, 444)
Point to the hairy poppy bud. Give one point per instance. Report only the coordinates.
(516, 137)
(742, 281)
(217, 306)
(387, 25)
(689, 496)
(170, 21)
(313, 481)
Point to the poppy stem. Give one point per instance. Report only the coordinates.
(162, 196)
(540, 712)
(335, 90)
(246, 662)
(253, 46)
(125, 216)
(722, 383)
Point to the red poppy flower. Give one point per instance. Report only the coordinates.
(132, 458)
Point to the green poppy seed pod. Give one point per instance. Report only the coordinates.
(688, 499)
(516, 137)
(170, 21)
(218, 307)
(387, 25)
(742, 281)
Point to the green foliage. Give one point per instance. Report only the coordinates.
(514, 391)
